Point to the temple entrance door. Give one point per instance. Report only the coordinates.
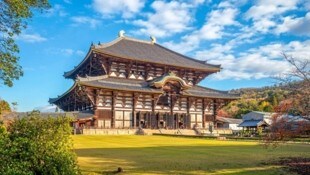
(162, 124)
(161, 120)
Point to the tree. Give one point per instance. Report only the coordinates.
(13, 15)
(4, 107)
(297, 82)
(37, 145)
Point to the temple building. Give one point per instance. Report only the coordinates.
(131, 83)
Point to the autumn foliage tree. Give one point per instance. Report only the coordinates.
(284, 127)
(4, 107)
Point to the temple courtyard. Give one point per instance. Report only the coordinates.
(175, 155)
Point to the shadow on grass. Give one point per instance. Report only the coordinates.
(185, 159)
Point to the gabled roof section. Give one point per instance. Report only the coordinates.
(253, 123)
(145, 51)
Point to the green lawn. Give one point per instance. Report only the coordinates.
(172, 155)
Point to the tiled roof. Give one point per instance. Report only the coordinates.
(151, 52)
(142, 86)
(139, 50)
(133, 85)
(252, 123)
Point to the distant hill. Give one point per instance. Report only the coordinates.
(266, 99)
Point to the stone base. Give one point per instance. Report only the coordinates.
(151, 132)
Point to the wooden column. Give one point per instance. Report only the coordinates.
(135, 97)
(187, 116)
(150, 120)
(134, 111)
(203, 113)
(155, 97)
(171, 111)
(153, 111)
(214, 110)
(113, 109)
(177, 121)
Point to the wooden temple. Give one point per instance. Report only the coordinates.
(131, 83)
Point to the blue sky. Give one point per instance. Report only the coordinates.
(245, 37)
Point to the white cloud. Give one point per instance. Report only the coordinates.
(265, 13)
(262, 62)
(296, 25)
(70, 52)
(65, 52)
(126, 8)
(93, 23)
(216, 21)
(31, 38)
(268, 9)
(56, 10)
(169, 18)
(80, 53)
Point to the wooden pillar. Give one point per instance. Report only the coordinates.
(150, 120)
(177, 121)
(134, 117)
(153, 116)
(214, 110)
(113, 109)
(171, 118)
(203, 113)
(188, 115)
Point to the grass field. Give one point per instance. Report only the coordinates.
(171, 155)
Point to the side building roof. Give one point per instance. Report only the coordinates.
(144, 51)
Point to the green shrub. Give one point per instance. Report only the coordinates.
(37, 145)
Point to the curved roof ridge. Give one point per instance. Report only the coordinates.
(137, 40)
(111, 43)
(108, 44)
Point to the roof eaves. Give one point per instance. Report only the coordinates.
(236, 96)
(68, 74)
(53, 100)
